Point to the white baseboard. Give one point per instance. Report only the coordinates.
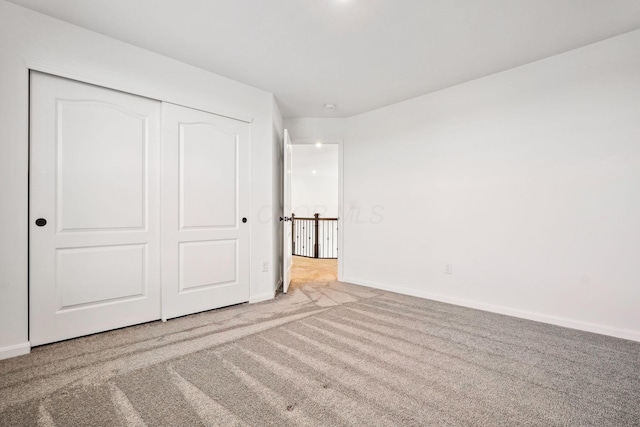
(538, 317)
(262, 297)
(15, 350)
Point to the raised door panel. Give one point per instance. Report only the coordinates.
(89, 276)
(101, 166)
(208, 176)
(207, 265)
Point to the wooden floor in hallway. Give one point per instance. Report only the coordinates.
(311, 270)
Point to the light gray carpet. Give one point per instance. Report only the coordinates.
(329, 354)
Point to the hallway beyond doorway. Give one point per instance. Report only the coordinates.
(309, 270)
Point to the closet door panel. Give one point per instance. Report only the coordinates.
(206, 191)
(94, 202)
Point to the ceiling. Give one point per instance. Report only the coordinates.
(357, 54)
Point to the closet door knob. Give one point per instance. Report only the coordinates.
(244, 220)
(41, 222)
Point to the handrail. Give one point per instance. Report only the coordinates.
(313, 219)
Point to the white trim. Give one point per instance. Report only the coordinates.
(15, 350)
(538, 317)
(310, 141)
(123, 87)
(263, 297)
(340, 254)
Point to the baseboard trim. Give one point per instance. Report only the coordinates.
(15, 350)
(538, 317)
(262, 297)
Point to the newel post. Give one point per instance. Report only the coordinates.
(315, 246)
(293, 234)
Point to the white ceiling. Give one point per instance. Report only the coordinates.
(358, 54)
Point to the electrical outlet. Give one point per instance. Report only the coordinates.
(265, 265)
(448, 269)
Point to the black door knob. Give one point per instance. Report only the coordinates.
(244, 219)
(41, 222)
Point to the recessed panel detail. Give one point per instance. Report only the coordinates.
(101, 167)
(208, 176)
(208, 264)
(95, 275)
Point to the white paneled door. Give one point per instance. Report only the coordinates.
(94, 240)
(206, 197)
(287, 223)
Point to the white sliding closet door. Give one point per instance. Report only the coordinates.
(94, 210)
(206, 196)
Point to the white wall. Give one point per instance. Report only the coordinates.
(527, 182)
(310, 130)
(28, 39)
(314, 180)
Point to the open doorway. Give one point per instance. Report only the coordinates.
(314, 202)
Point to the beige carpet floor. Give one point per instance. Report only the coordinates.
(325, 354)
